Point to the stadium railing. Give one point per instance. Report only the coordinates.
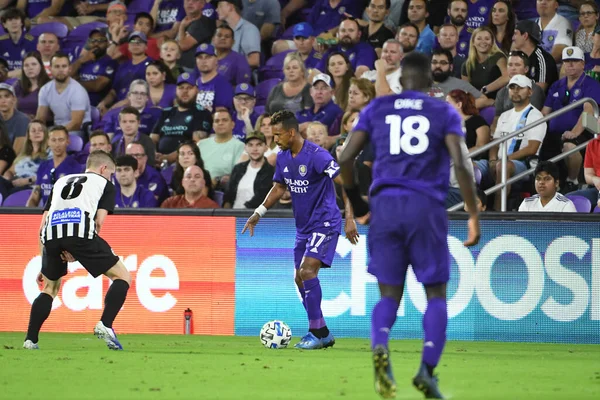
(589, 123)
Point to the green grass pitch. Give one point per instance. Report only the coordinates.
(74, 366)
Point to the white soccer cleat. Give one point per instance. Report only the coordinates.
(29, 345)
(108, 335)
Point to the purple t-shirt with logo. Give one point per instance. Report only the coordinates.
(92, 70)
(309, 177)
(127, 73)
(217, 92)
(234, 66)
(169, 12)
(141, 198)
(407, 132)
(46, 178)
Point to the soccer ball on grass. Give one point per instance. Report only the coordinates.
(275, 335)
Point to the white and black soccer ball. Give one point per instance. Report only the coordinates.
(275, 335)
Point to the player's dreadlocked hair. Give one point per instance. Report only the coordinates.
(286, 118)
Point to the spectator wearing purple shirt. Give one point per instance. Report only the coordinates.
(478, 14)
(94, 69)
(325, 110)
(27, 89)
(244, 115)
(128, 71)
(16, 43)
(60, 165)
(129, 123)
(214, 90)
(148, 177)
(232, 65)
(525, 9)
(362, 56)
(167, 13)
(138, 98)
(324, 17)
(162, 85)
(40, 11)
(566, 132)
(128, 193)
(304, 41)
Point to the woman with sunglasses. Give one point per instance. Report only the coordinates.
(588, 19)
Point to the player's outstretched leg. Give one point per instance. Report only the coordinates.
(40, 310)
(318, 336)
(435, 321)
(115, 297)
(382, 321)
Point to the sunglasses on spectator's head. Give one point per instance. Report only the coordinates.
(517, 53)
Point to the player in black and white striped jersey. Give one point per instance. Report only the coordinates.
(73, 217)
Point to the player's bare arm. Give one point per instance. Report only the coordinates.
(352, 146)
(467, 187)
(100, 216)
(273, 197)
(350, 226)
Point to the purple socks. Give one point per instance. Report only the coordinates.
(382, 320)
(312, 303)
(435, 321)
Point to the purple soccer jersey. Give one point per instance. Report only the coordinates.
(411, 172)
(478, 14)
(141, 198)
(234, 66)
(47, 174)
(309, 177)
(217, 92)
(92, 70)
(14, 53)
(361, 53)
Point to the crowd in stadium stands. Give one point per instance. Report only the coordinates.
(181, 91)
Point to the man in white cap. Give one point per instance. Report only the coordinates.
(566, 132)
(324, 110)
(522, 148)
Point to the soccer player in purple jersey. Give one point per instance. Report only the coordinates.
(309, 172)
(414, 137)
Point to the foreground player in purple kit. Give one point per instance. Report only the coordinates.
(414, 137)
(309, 172)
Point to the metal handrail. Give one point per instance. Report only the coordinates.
(504, 182)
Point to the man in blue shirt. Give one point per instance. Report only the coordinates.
(308, 171)
(324, 110)
(15, 44)
(566, 132)
(414, 138)
(51, 170)
(128, 193)
(361, 55)
(417, 14)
